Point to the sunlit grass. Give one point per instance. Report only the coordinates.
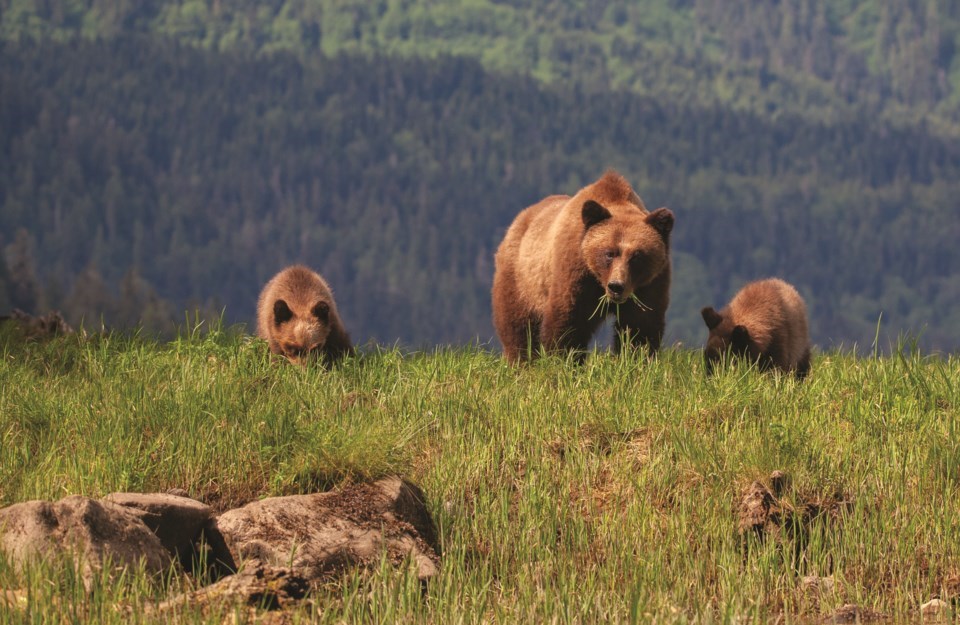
(601, 492)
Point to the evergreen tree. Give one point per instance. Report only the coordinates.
(90, 303)
(22, 290)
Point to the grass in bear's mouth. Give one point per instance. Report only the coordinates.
(605, 302)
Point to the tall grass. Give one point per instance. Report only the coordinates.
(601, 492)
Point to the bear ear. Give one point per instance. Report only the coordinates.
(711, 317)
(321, 311)
(662, 221)
(740, 337)
(281, 312)
(593, 213)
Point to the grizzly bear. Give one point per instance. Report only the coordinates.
(566, 263)
(297, 316)
(766, 323)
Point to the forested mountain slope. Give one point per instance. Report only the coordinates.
(824, 60)
(144, 176)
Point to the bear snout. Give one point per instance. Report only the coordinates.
(616, 291)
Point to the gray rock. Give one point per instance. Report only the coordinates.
(175, 520)
(320, 534)
(935, 610)
(95, 532)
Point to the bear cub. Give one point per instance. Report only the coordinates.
(297, 316)
(766, 323)
(566, 263)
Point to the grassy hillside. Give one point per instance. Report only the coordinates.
(600, 493)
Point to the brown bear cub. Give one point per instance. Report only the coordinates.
(297, 316)
(766, 322)
(566, 263)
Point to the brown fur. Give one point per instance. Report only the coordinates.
(561, 255)
(765, 322)
(297, 316)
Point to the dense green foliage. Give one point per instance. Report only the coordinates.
(595, 493)
(890, 57)
(143, 177)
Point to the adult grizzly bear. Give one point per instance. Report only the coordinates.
(765, 322)
(297, 316)
(566, 263)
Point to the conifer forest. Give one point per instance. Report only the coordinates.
(163, 159)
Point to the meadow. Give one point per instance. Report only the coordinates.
(602, 492)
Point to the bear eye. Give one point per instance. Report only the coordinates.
(638, 258)
(611, 254)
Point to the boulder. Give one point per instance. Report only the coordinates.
(95, 532)
(177, 521)
(935, 610)
(283, 545)
(320, 534)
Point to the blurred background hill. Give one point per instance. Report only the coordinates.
(159, 156)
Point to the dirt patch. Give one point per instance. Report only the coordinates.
(597, 439)
(261, 587)
(640, 447)
(763, 513)
(14, 599)
(950, 583)
(223, 497)
(852, 613)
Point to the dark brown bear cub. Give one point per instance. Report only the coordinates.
(766, 323)
(297, 316)
(566, 263)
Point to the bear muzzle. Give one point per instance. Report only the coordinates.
(617, 292)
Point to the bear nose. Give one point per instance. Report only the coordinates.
(615, 287)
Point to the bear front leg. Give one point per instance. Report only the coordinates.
(521, 341)
(517, 328)
(639, 330)
(644, 323)
(639, 327)
(337, 345)
(553, 329)
(568, 325)
(803, 367)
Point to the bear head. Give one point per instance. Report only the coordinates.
(727, 337)
(625, 247)
(300, 333)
